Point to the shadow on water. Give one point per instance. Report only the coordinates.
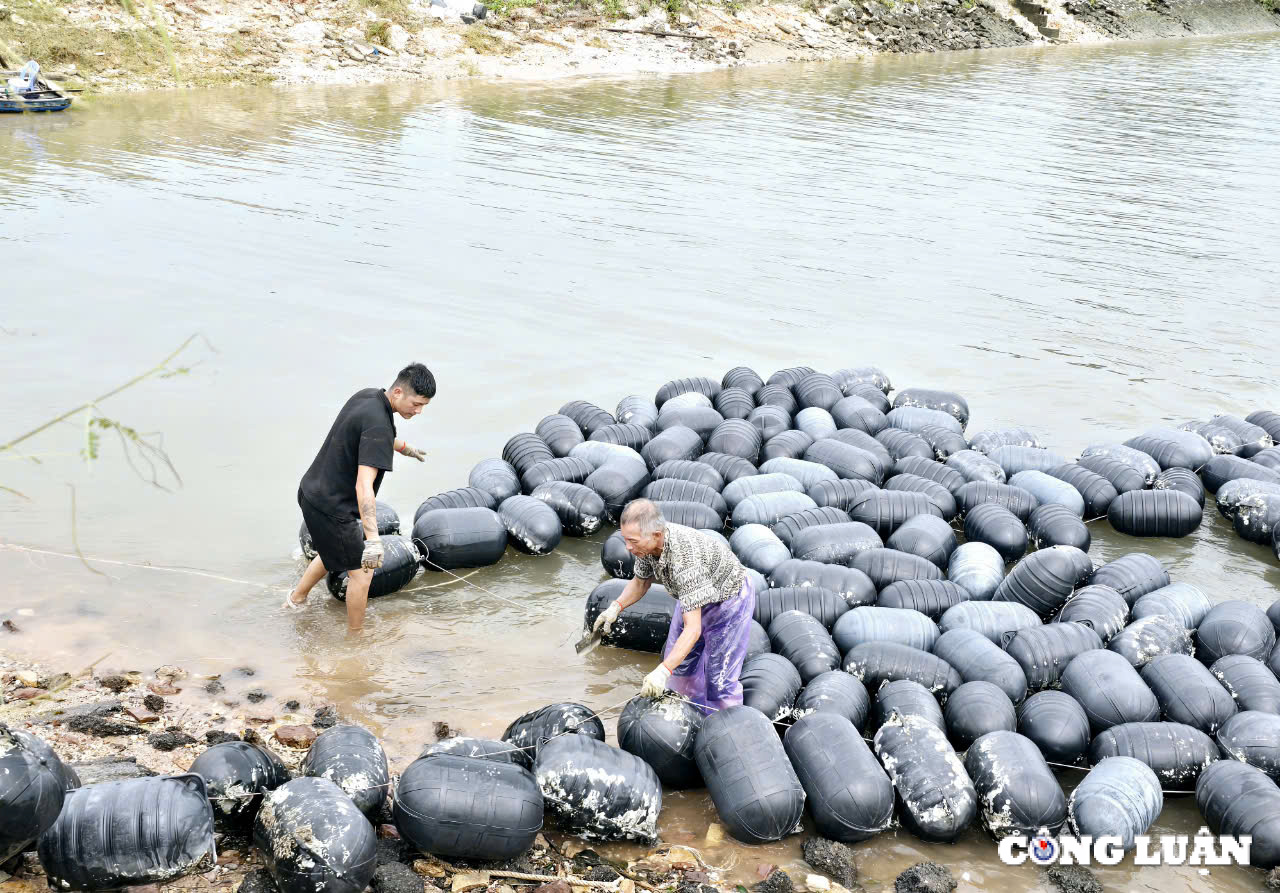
(1078, 239)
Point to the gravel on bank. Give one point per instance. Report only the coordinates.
(114, 724)
(191, 43)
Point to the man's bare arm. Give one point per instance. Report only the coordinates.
(411, 452)
(634, 591)
(685, 641)
(365, 477)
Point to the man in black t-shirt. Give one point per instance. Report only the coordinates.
(337, 492)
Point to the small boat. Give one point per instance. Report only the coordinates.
(42, 99)
(28, 92)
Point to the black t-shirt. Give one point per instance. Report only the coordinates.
(362, 434)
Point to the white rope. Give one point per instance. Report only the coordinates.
(1089, 768)
(150, 567)
(190, 571)
(426, 559)
(449, 582)
(492, 753)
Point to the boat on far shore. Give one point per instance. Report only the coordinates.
(39, 96)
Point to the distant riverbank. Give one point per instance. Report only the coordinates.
(156, 44)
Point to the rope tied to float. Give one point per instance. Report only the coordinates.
(676, 696)
(426, 559)
(512, 749)
(1089, 768)
(13, 547)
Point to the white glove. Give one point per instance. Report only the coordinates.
(371, 558)
(413, 453)
(655, 683)
(606, 619)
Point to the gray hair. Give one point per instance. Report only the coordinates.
(644, 514)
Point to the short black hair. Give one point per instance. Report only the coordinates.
(417, 378)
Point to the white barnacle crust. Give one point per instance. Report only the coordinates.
(296, 842)
(275, 815)
(924, 770)
(673, 711)
(352, 783)
(599, 804)
(996, 808)
(230, 798)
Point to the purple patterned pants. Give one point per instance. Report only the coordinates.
(709, 675)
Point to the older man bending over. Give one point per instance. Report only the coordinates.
(715, 601)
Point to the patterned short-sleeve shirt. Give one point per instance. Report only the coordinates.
(697, 569)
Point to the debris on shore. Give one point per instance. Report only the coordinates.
(195, 43)
(112, 727)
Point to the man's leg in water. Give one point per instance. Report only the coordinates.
(357, 596)
(310, 577)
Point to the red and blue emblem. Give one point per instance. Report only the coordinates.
(1043, 850)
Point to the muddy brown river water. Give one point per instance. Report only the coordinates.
(1080, 240)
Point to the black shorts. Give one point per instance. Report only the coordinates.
(338, 541)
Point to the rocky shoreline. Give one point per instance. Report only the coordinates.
(153, 44)
(110, 725)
